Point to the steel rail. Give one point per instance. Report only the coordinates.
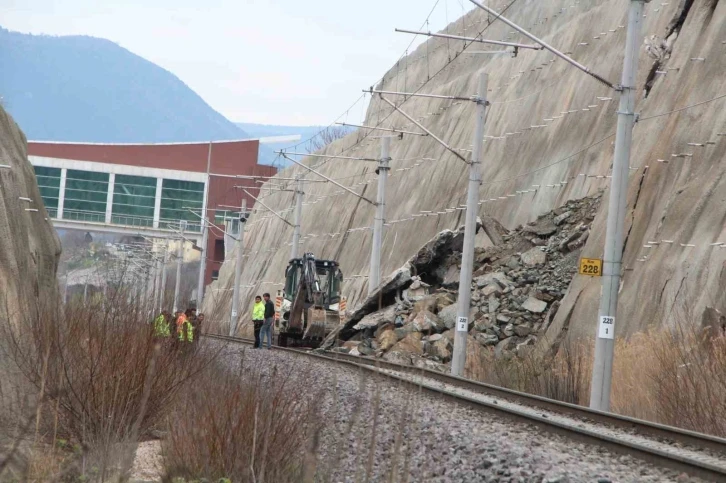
(659, 432)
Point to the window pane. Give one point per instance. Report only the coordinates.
(177, 198)
(86, 193)
(133, 200)
(49, 185)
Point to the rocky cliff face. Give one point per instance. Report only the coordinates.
(549, 136)
(30, 247)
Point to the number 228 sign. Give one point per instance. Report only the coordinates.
(591, 266)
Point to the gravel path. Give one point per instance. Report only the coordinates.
(417, 437)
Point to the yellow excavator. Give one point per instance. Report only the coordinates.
(309, 305)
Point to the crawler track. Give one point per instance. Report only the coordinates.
(686, 451)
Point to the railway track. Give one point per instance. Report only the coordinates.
(696, 454)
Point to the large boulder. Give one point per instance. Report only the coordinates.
(426, 321)
(440, 349)
(411, 344)
(387, 339)
(373, 320)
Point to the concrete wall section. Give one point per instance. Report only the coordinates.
(29, 246)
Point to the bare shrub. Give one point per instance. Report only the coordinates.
(251, 425)
(100, 380)
(674, 376)
(564, 376)
(327, 136)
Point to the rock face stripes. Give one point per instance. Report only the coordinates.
(548, 140)
(29, 246)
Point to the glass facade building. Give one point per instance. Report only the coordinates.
(133, 199)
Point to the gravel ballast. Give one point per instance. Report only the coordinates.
(417, 437)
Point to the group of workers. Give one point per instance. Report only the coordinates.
(263, 320)
(186, 326)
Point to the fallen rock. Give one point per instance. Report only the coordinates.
(541, 228)
(424, 363)
(410, 344)
(441, 349)
(561, 218)
(448, 316)
(507, 344)
(382, 328)
(433, 338)
(444, 299)
(402, 332)
(486, 339)
(387, 339)
(534, 305)
(491, 290)
(398, 357)
(366, 347)
(488, 278)
(534, 257)
(387, 315)
(508, 330)
(493, 304)
(503, 319)
(425, 321)
(428, 303)
(522, 330)
(349, 344)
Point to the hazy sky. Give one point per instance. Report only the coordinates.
(266, 61)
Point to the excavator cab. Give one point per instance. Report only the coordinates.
(310, 300)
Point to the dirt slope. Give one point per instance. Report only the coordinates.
(529, 170)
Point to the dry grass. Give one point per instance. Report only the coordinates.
(671, 376)
(256, 423)
(96, 381)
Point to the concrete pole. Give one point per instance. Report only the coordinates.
(298, 216)
(162, 294)
(374, 274)
(604, 337)
(238, 268)
(202, 262)
(467, 257)
(157, 283)
(205, 235)
(179, 257)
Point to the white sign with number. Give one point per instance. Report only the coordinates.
(462, 324)
(234, 313)
(607, 327)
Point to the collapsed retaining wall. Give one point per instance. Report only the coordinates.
(549, 137)
(29, 246)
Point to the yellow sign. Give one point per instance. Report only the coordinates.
(591, 267)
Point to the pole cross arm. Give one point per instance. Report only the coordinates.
(473, 39)
(330, 179)
(420, 126)
(268, 208)
(545, 45)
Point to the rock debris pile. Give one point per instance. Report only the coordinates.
(516, 290)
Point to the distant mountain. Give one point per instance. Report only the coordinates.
(266, 153)
(79, 88)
